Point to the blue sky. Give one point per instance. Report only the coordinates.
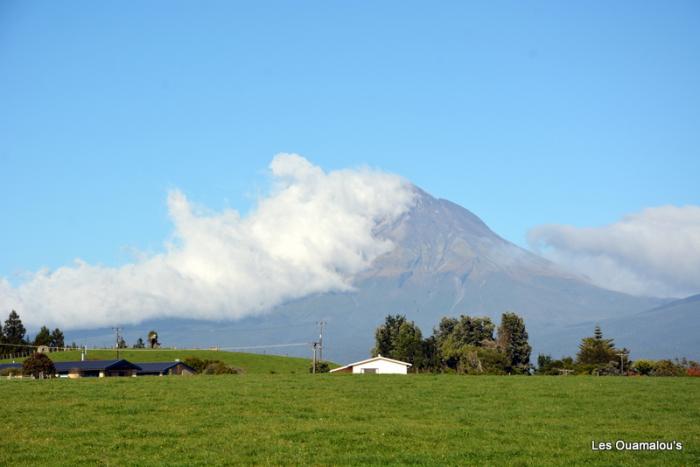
(526, 113)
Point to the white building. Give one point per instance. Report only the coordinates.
(378, 365)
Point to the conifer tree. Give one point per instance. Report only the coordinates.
(43, 337)
(14, 332)
(596, 350)
(57, 339)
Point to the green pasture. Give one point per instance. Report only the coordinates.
(295, 419)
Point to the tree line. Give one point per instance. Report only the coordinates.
(598, 355)
(14, 338)
(474, 345)
(464, 345)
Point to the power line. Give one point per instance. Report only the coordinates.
(266, 346)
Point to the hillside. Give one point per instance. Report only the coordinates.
(250, 363)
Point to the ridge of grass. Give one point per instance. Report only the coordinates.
(249, 362)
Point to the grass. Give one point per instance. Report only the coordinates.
(249, 362)
(344, 419)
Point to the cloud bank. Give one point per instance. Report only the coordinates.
(654, 252)
(310, 235)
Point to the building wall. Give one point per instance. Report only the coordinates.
(382, 366)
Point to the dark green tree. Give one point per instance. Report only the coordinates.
(153, 339)
(386, 334)
(15, 333)
(38, 365)
(595, 352)
(400, 339)
(321, 367)
(431, 355)
(121, 344)
(43, 337)
(139, 344)
(512, 341)
(57, 339)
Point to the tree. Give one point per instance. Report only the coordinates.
(57, 339)
(456, 339)
(644, 367)
(431, 354)
(386, 334)
(596, 351)
(153, 339)
(668, 368)
(38, 365)
(121, 343)
(43, 337)
(400, 339)
(139, 344)
(512, 341)
(14, 333)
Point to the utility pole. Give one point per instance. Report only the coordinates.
(320, 339)
(117, 330)
(313, 366)
(622, 362)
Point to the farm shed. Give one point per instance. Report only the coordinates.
(378, 365)
(96, 368)
(164, 368)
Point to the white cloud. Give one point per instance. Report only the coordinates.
(310, 235)
(653, 252)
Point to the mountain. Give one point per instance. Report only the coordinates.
(446, 261)
(668, 331)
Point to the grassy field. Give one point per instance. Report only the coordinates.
(344, 419)
(249, 362)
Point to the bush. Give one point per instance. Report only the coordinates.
(667, 368)
(39, 365)
(693, 371)
(321, 367)
(482, 361)
(197, 364)
(217, 367)
(643, 367)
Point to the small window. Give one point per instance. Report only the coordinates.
(369, 371)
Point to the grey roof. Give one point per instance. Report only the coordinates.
(160, 367)
(95, 365)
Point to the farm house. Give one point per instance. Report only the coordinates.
(96, 368)
(378, 365)
(164, 368)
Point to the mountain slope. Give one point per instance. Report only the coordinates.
(668, 331)
(446, 261)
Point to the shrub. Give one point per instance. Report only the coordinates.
(667, 368)
(643, 367)
(693, 371)
(218, 367)
(321, 367)
(38, 365)
(197, 364)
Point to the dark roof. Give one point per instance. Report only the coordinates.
(95, 365)
(10, 365)
(160, 367)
